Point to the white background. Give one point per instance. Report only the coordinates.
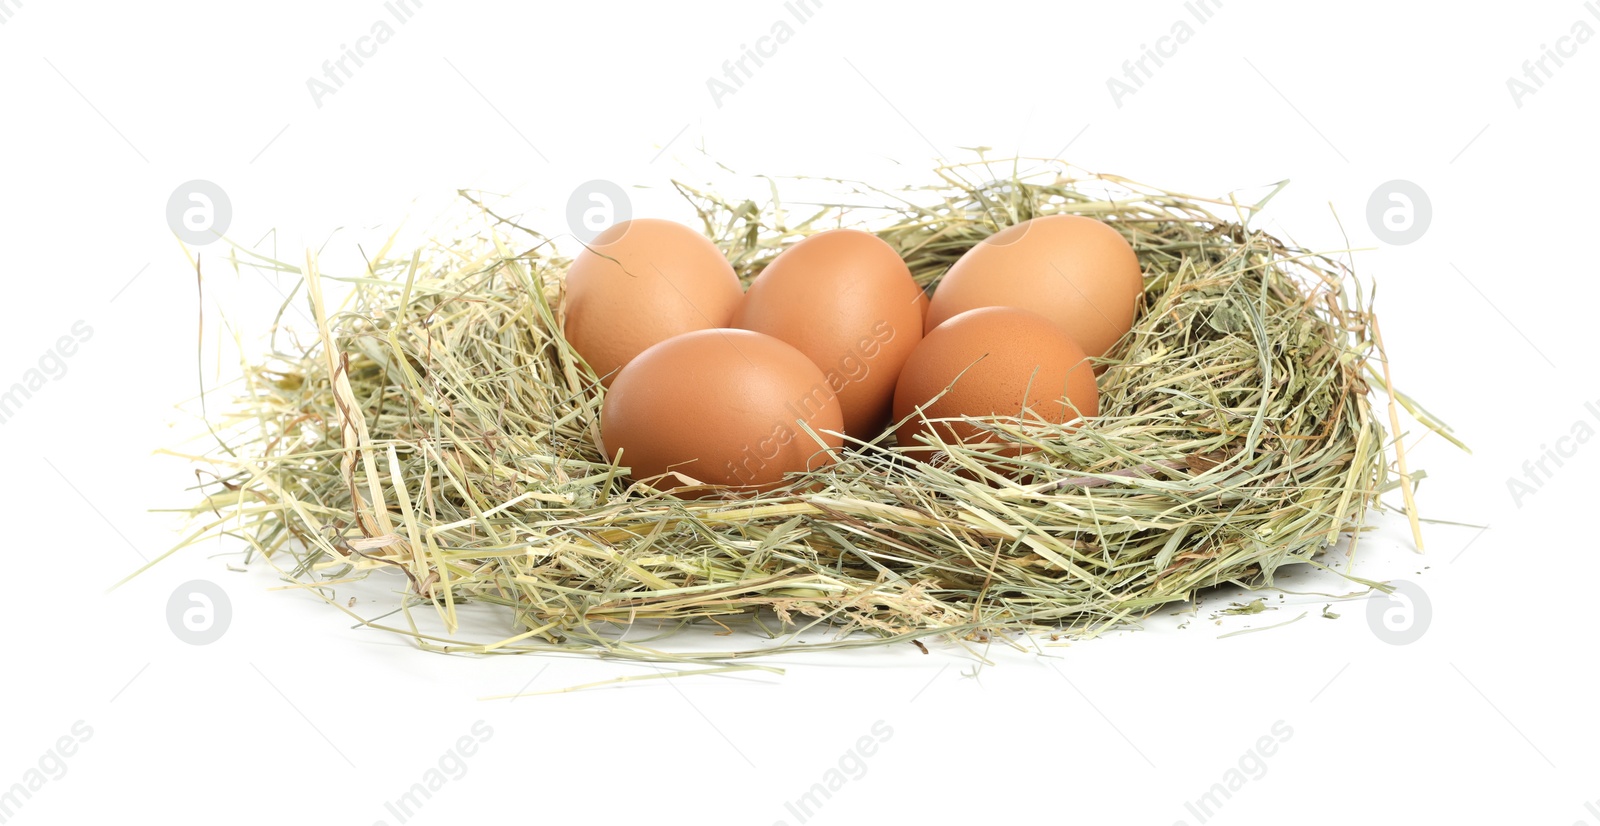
(107, 107)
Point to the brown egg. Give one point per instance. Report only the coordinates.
(1012, 359)
(641, 282)
(845, 299)
(720, 407)
(1076, 271)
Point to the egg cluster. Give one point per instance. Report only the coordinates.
(711, 384)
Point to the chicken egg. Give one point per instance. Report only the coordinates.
(641, 282)
(845, 299)
(1077, 272)
(721, 407)
(995, 361)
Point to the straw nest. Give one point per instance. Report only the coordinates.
(440, 427)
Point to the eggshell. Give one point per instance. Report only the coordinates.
(641, 282)
(845, 299)
(1006, 359)
(720, 407)
(1076, 271)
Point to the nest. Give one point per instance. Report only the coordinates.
(440, 427)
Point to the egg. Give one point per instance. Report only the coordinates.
(996, 361)
(1076, 271)
(845, 299)
(720, 407)
(641, 282)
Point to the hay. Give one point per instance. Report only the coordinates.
(440, 427)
